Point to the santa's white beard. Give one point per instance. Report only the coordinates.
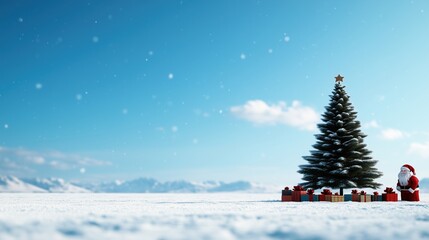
(403, 178)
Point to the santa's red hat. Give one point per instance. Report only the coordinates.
(410, 167)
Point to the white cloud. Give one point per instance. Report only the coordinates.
(12, 159)
(296, 115)
(392, 134)
(421, 149)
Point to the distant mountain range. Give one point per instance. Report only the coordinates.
(37, 185)
(424, 185)
(14, 184)
(141, 185)
(150, 185)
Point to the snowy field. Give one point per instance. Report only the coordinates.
(205, 216)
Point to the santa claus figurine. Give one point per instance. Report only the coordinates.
(408, 184)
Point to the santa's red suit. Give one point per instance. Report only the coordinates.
(408, 184)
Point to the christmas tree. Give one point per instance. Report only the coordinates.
(340, 158)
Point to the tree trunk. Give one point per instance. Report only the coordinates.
(341, 191)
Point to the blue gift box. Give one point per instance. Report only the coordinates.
(347, 197)
(306, 198)
(376, 198)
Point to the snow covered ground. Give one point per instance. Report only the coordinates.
(205, 216)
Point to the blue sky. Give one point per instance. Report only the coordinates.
(199, 90)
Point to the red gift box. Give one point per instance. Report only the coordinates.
(296, 195)
(389, 197)
(287, 198)
(355, 195)
(297, 192)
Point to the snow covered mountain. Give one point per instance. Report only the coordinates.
(139, 185)
(149, 185)
(13, 184)
(424, 185)
(55, 185)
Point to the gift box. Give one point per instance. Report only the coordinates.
(286, 192)
(286, 198)
(355, 195)
(376, 197)
(337, 198)
(296, 195)
(364, 198)
(389, 195)
(309, 198)
(297, 192)
(347, 197)
(326, 195)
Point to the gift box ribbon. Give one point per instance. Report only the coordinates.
(326, 192)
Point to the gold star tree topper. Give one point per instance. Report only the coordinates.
(339, 78)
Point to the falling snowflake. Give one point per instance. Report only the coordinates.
(243, 56)
(170, 76)
(174, 129)
(195, 141)
(78, 97)
(124, 111)
(38, 86)
(150, 53)
(20, 20)
(82, 170)
(6, 126)
(270, 50)
(287, 38)
(95, 39)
